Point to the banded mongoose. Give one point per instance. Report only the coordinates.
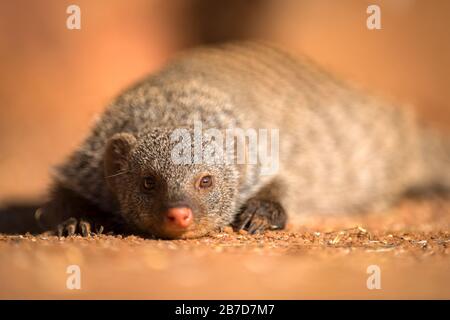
(340, 150)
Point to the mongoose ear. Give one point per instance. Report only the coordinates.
(115, 159)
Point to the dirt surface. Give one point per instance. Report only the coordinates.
(324, 257)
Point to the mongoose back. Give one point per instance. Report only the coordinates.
(340, 150)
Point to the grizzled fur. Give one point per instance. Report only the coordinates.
(340, 150)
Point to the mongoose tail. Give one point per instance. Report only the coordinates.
(435, 149)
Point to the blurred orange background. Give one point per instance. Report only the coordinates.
(54, 81)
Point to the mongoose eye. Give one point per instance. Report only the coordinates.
(205, 182)
(148, 184)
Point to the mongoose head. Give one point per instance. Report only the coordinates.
(165, 199)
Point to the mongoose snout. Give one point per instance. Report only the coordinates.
(178, 218)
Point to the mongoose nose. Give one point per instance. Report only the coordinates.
(179, 217)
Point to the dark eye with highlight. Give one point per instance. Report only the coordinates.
(148, 184)
(205, 182)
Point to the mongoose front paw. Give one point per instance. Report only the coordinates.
(68, 227)
(74, 226)
(260, 215)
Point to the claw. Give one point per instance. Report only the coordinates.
(85, 228)
(71, 230)
(71, 226)
(252, 227)
(256, 227)
(60, 230)
(100, 229)
(261, 228)
(245, 222)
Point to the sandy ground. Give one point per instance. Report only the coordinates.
(319, 258)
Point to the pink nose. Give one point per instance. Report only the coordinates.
(179, 217)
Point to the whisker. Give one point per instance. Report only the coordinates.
(117, 174)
